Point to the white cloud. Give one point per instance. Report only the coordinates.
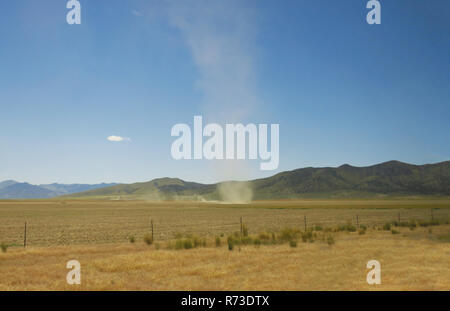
(117, 138)
(136, 12)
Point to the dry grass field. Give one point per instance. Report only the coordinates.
(82, 222)
(96, 233)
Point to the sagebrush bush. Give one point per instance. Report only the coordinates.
(387, 226)
(348, 228)
(218, 242)
(264, 236)
(318, 228)
(293, 243)
(197, 242)
(179, 244)
(395, 231)
(244, 230)
(287, 235)
(230, 244)
(330, 240)
(246, 240)
(148, 240)
(187, 244)
(307, 236)
(4, 247)
(132, 239)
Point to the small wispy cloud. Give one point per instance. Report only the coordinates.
(136, 12)
(115, 138)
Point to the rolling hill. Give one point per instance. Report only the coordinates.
(391, 178)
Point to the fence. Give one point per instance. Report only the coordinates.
(165, 225)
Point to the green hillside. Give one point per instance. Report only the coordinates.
(390, 178)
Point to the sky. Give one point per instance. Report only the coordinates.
(341, 90)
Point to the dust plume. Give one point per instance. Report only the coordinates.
(239, 192)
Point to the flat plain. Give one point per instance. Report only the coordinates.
(97, 233)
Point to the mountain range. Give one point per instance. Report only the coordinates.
(11, 189)
(391, 178)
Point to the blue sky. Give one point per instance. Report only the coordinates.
(342, 91)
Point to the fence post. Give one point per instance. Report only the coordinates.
(357, 221)
(432, 218)
(25, 236)
(242, 228)
(305, 223)
(151, 221)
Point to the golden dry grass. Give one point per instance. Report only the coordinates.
(96, 234)
(412, 260)
(83, 222)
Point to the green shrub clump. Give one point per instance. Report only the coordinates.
(148, 239)
(330, 240)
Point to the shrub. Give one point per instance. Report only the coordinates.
(318, 228)
(257, 242)
(132, 239)
(330, 240)
(348, 228)
(4, 247)
(307, 237)
(187, 244)
(218, 241)
(363, 227)
(387, 226)
(246, 240)
(230, 244)
(403, 224)
(361, 232)
(264, 236)
(196, 241)
(244, 230)
(351, 228)
(148, 239)
(293, 243)
(287, 235)
(395, 231)
(424, 223)
(178, 244)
